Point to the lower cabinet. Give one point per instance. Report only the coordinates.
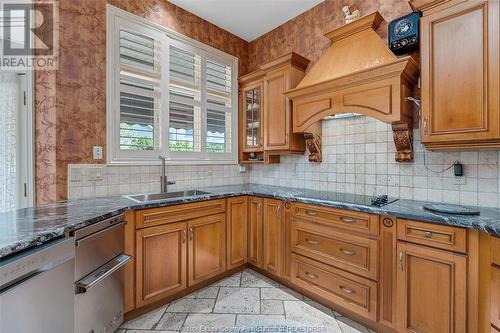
(174, 256)
(495, 296)
(161, 262)
(206, 255)
(273, 232)
(236, 231)
(255, 236)
(430, 290)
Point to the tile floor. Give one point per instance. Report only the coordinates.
(244, 302)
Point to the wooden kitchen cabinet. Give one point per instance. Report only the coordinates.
(236, 231)
(273, 231)
(460, 74)
(255, 237)
(431, 290)
(207, 244)
(495, 296)
(161, 258)
(266, 113)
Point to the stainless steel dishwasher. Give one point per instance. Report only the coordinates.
(99, 276)
(37, 291)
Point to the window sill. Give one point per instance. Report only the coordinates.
(175, 162)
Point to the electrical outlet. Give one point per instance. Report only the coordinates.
(243, 168)
(98, 153)
(459, 180)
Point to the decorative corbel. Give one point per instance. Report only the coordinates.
(313, 143)
(403, 139)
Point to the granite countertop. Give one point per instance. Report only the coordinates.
(30, 227)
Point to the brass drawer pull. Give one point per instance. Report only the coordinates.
(347, 219)
(349, 253)
(348, 290)
(428, 234)
(312, 241)
(312, 276)
(311, 213)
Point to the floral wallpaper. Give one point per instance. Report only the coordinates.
(305, 33)
(70, 103)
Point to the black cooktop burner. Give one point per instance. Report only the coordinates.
(382, 200)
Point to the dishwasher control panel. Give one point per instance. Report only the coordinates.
(35, 261)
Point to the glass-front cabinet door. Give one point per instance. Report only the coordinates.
(252, 118)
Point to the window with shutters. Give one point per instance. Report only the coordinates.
(168, 95)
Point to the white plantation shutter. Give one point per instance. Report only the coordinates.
(219, 107)
(140, 93)
(184, 99)
(167, 95)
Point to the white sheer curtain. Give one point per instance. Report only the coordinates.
(8, 149)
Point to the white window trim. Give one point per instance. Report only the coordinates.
(119, 157)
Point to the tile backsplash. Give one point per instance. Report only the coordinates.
(98, 180)
(358, 157)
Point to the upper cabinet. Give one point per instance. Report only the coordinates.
(460, 74)
(266, 112)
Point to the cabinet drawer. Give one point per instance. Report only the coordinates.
(352, 253)
(158, 216)
(439, 236)
(347, 290)
(495, 250)
(348, 220)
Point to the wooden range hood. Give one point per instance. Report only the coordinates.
(358, 73)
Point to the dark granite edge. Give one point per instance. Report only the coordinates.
(393, 210)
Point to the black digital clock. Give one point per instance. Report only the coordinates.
(404, 33)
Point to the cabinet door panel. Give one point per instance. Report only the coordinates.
(255, 246)
(495, 296)
(431, 290)
(236, 233)
(251, 117)
(276, 111)
(161, 262)
(460, 69)
(273, 233)
(207, 254)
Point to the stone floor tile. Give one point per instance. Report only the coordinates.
(146, 321)
(209, 322)
(250, 278)
(171, 321)
(307, 316)
(209, 292)
(292, 292)
(321, 307)
(188, 305)
(149, 331)
(237, 300)
(251, 321)
(277, 294)
(271, 307)
(349, 326)
(232, 281)
(216, 308)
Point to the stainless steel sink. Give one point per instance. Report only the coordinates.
(164, 196)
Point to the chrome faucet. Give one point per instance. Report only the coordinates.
(163, 178)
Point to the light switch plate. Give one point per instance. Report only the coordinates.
(98, 153)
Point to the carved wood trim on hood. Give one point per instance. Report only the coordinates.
(358, 74)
